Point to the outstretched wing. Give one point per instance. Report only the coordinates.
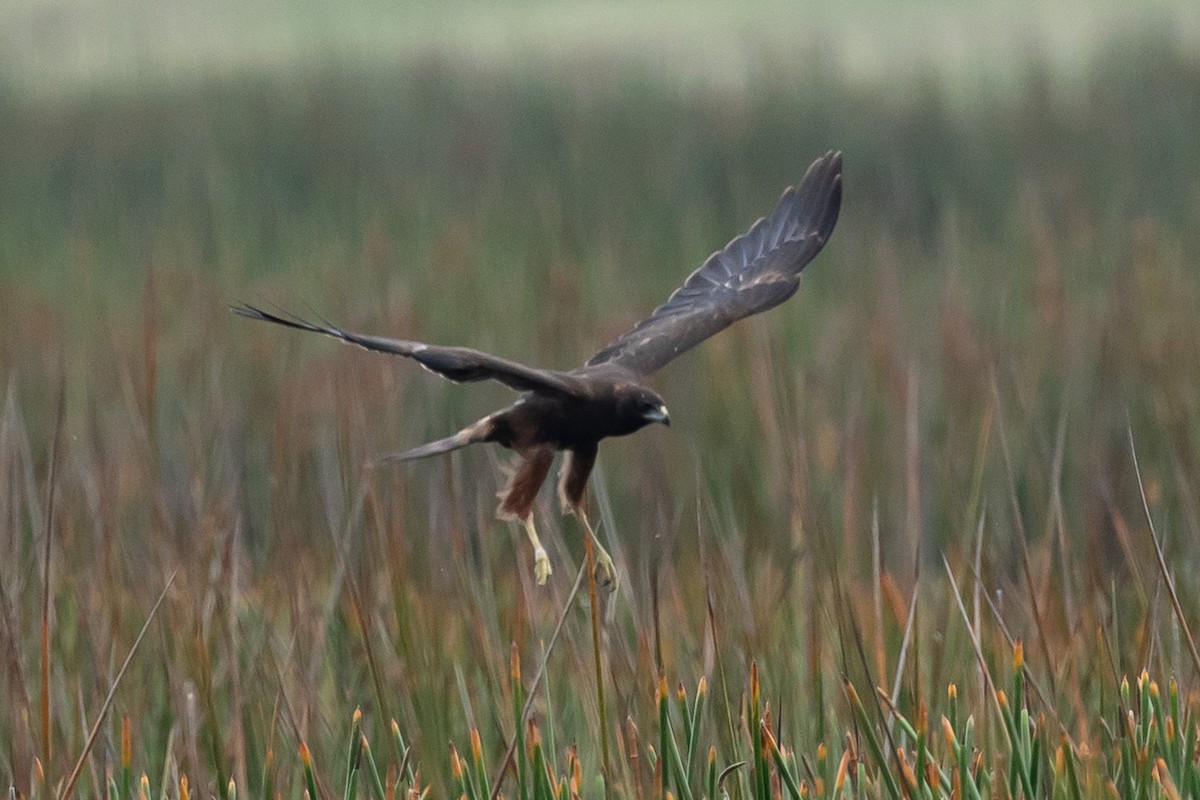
(459, 364)
(756, 271)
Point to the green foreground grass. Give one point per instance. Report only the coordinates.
(974, 426)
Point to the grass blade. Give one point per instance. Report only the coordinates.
(112, 691)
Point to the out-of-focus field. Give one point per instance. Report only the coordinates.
(70, 46)
(1008, 306)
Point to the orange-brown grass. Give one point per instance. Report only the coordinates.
(899, 533)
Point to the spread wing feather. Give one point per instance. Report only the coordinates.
(459, 364)
(756, 271)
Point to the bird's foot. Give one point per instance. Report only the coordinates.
(541, 566)
(541, 561)
(606, 570)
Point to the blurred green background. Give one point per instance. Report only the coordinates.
(1011, 294)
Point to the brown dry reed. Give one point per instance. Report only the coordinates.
(965, 455)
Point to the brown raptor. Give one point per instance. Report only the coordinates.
(573, 410)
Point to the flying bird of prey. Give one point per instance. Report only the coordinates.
(573, 410)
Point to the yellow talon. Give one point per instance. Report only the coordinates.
(541, 566)
(606, 571)
(541, 561)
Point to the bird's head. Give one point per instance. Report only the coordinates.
(642, 407)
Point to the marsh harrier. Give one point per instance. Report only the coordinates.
(573, 410)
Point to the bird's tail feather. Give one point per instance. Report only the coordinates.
(469, 435)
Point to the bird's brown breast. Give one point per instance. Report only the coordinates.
(564, 423)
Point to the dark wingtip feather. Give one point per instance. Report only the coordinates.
(282, 318)
(246, 310)
(833, 205)
(821, 194)
(254, 312)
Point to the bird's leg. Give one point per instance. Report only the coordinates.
(516, 502)
(572, 493)
(541, 561)
(606, 571)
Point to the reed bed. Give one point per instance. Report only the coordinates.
(928, 530)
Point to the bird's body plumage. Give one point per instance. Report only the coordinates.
(573, 410)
